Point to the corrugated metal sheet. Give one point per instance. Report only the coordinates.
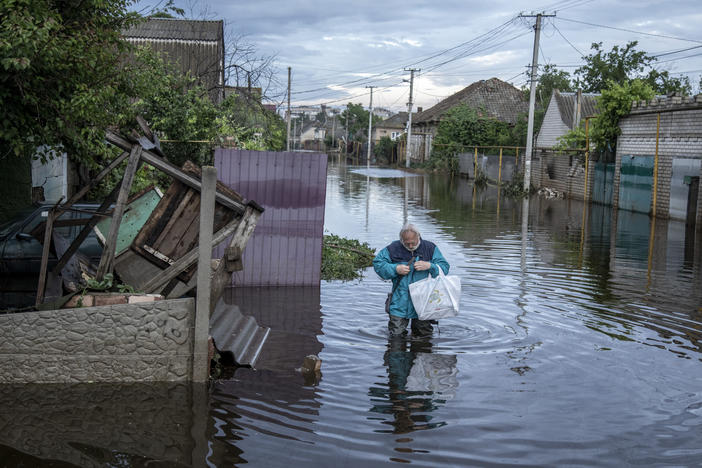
(238, 334)
(636, 182)
(602, 183)
(286, 247)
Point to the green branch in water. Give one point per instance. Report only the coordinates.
(343, 259)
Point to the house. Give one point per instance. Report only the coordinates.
(392, 127)
(312, 135)
(565, 112)
(660, 149)
(498, 99)
(194, 46)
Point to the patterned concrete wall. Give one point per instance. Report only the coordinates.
(149, 342)
(98, 425)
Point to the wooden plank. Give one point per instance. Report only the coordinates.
(187, 260)
(173, 171)
(222, 278)
(85, 231)
(173, 219)
(78, 195)
(41, 287)
(185, 234)
(108, 253)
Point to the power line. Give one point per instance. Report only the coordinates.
(565, 39)
(677, 51)
(629, 30)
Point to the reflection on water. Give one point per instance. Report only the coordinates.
(418, 381)
(578, 343)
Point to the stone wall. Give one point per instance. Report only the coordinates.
(680, 137)
(151, 342)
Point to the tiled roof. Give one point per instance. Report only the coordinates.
(176, 29)
(398, 120)
(501, 100)
(566, 106)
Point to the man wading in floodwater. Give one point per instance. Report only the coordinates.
(405, 261)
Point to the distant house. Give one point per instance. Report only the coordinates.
(564, 113)
(194, 46)
(392, 127)
(312, 135)
(500, 100)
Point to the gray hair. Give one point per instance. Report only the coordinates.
(409, 228)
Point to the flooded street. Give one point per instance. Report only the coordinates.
(579, 343)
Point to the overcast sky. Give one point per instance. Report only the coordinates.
(336, 49)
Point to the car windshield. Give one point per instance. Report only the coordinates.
(9, 227)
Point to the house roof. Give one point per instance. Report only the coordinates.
(398, 120)
(566, 105)
(501, 100)
(195, 47)
(176, 29)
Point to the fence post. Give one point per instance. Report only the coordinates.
(475, 164)
(499, 171)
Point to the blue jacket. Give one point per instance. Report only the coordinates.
(395, 254)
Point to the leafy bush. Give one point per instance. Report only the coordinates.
(343, 258)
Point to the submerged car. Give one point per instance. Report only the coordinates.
(21, 250)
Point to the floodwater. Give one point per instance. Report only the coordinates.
(579, 343)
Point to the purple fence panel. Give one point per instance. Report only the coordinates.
(286, 247)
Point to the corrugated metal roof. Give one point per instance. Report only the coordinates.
(177, 29)
(501, 101)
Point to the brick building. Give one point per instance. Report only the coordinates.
(679, 159)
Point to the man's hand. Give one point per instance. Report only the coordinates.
(402, 269)
(421, 265)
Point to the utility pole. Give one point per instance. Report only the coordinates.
(288, 115)
(409, 120)
(346, 138)
(333, 128)
(370, 124)
(532, 99)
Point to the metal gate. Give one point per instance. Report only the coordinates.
(603, 183)
(636, 182)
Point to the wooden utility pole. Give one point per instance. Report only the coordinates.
(532, 99)
(409, 118)
(370, 125)
(288, 114)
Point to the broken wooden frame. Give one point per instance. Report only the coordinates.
(240, 228)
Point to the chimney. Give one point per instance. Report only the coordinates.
(419, 109)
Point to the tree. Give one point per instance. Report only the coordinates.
(614, 103)
(625, 64)
(663, 83)
(618, 65)
(551, 78)
(61, 82)
(385, 148)
(358, 121)
(463, 127)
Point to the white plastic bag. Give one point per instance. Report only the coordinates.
(435, 298)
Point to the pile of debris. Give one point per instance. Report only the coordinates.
(150, 241)
(550, 193)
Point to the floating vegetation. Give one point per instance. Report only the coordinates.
(343, 259)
